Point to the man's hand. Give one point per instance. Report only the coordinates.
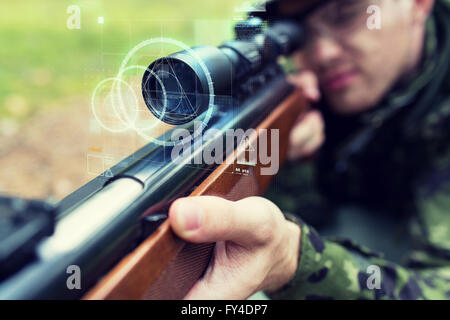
(307, 136)
(256, 247)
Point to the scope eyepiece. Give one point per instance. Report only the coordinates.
(178, 88)
(172, 91)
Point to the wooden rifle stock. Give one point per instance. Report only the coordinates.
(164, 266)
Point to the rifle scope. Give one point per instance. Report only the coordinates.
(179, 87)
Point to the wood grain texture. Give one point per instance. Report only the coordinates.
(165, 267)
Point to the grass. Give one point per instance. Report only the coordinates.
(43, 63)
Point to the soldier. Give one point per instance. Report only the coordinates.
(380, 139)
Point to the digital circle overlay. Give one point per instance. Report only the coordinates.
(128, 122)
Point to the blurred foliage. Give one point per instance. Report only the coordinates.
(42, 62)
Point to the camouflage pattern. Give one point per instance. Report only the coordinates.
(395, 158)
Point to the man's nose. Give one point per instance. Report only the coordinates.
(326, 49)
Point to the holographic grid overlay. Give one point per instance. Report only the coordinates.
(118, 81)
(126, 117)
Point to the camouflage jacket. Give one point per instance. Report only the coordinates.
(395, 157)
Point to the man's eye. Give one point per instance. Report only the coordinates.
(343, 18)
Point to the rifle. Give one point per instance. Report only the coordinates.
(114, 230)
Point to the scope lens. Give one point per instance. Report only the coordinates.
(172, 91)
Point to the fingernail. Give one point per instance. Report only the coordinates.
(190, 214)
(314, 94)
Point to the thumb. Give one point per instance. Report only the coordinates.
(212, 219)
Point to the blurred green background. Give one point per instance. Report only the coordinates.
(42, 61)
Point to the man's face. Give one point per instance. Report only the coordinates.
(355, 65)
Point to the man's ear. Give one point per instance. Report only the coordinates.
(421, 10)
